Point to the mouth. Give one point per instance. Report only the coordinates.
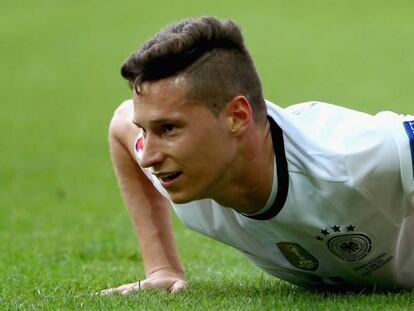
(168, 179)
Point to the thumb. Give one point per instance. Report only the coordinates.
(178, 286)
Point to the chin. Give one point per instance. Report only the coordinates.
(178, 199)
(181, 198)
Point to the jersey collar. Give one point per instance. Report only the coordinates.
(282, 173)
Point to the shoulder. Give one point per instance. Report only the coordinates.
(122, 114)
(122, 118)
(121, 126)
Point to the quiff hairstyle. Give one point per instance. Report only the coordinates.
(210, 54)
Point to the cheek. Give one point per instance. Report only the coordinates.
(185, 152)
(199, 151)
(213, 156)
(193, 156)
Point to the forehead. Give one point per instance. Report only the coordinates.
(166, 98)
(176, 85)
(160, 91)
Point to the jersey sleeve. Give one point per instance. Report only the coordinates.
(383, 167)
(403, 134)
(377, 151)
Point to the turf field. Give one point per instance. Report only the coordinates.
(64, 233)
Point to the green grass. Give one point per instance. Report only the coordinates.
(64, 233)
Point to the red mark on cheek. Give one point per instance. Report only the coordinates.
(139, 144)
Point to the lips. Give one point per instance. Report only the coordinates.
(167, 179)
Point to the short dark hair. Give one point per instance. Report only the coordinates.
(212, 56)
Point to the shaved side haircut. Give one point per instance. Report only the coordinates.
(210, 54)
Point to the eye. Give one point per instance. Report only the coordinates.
(168, 128)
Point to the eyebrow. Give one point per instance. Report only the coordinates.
(156, 121)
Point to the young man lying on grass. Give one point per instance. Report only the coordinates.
(314, 194)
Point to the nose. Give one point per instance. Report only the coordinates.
(151, 152)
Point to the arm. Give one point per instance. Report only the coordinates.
(150, 215)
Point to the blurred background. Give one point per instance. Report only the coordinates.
(61, 215)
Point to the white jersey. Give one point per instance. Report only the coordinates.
(342, 212)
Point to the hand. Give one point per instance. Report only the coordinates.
(169, 282)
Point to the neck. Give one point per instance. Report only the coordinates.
(248, 185)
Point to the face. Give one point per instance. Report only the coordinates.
(186, 146)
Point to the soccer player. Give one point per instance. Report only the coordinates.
(314, 194)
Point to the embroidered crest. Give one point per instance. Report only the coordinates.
(298, 256)
(350, 247)
(347, 246)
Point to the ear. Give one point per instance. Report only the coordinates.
(239, 115)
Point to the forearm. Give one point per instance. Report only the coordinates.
(150, 214)
(149, 211)
(156, 238)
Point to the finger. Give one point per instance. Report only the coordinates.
(119, 289)
(146, 284)
(155, 283)
(107, 292)
(127, 291)
(122, 288)
(178, 286)
(132, 288)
